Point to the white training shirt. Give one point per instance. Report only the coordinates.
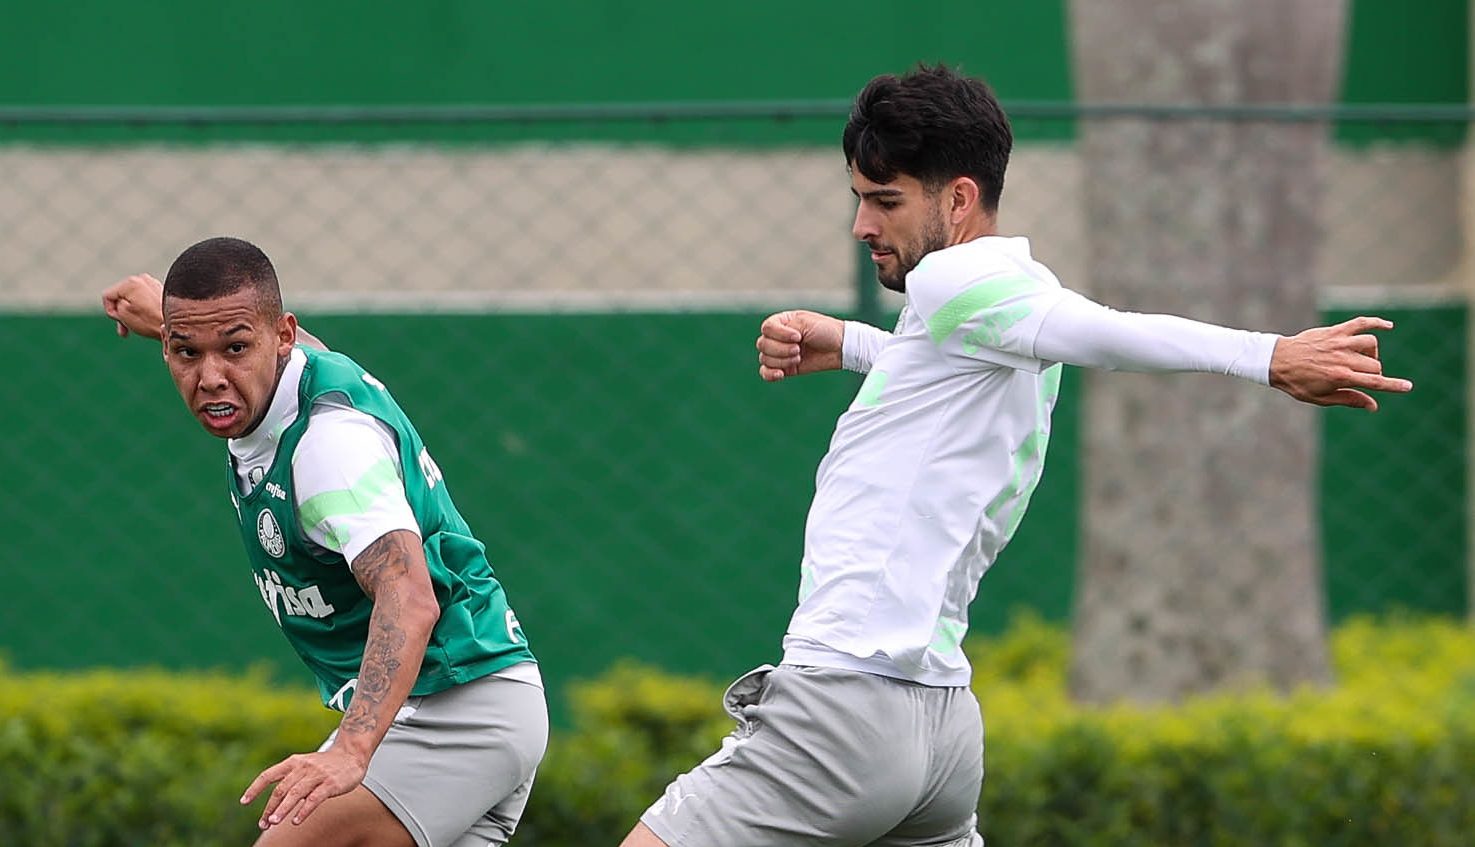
(347, 457)
(931, 468)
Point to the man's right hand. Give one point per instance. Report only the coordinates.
(799, 342)
(137, 304)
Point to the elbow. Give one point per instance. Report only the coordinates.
(421, 612)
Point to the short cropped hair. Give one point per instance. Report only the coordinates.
(219, 267)
(933, 124)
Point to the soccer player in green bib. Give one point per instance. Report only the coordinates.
(362, 559)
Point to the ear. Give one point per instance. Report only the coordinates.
(164, 326)
(963, 198)
(286, 333)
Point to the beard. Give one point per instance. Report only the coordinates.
(933, 237)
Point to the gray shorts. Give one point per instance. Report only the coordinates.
(456, 767)
(833, 757)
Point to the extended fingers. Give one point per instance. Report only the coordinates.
(292, 800)
(288, 777)
(310, 803)
(1363, 323)
(265, 778)
(1378, 382)
(278, 794)
(1366, 371)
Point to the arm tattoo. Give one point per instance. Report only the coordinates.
(384, 558)
(378, 570)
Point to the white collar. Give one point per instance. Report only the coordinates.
(279, 416)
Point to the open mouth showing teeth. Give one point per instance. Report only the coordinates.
(220, 410)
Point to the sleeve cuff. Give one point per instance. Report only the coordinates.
(1253, 363)
(861, 345)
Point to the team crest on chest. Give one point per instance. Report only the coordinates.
(270, 535)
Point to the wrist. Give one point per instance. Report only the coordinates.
(356, 745)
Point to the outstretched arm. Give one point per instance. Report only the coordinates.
(1328, 366)
(392, 571)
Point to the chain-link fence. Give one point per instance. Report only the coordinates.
(564, 300)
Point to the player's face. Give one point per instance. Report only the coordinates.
(900, 221)
(225, 356)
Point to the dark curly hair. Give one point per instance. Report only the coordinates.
(933, 124)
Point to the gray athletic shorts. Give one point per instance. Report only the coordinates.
(833, 757)
(456, 767)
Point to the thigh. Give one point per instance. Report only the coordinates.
(818, 757)
(457, 759)
(357, 818)
(495, 827)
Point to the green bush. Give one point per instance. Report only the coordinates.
(1382, 757)
(107, 758)
(1386, 756)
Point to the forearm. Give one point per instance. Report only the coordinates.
(1080, 332)
(861, 345)
(399, 630)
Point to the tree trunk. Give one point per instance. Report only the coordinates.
(1201, 558)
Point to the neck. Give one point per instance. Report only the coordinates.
(976, 226)
(271, 398)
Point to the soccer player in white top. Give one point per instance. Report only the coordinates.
(867, 734)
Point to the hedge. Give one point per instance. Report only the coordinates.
(1385, 756)
(108, 758)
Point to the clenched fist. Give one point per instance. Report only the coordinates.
(798, 342)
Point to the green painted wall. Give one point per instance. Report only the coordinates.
(278, 52)
(176, 52)
(1402, 52)
(641, 491)
(1395, 504)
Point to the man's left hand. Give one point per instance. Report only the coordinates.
(1334, 365)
